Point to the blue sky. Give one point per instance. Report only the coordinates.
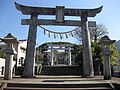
(10, 18)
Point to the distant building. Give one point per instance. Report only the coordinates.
(21, 52)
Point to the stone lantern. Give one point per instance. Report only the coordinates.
(105, 42)
(10, 51)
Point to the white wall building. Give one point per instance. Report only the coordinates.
(20, 56)
(2, 65)
(21, 52)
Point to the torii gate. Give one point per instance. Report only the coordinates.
(60, 12)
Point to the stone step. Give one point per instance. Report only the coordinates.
(58, 86)
(21, 88)
(61, 70)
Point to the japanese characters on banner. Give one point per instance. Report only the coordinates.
(67, 34)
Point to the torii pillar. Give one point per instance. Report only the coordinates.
(30, 53)
(86, 44)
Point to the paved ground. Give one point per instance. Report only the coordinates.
(60, 79)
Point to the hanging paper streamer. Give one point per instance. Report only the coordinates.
(76, 32)
(57, 35)
(69, 34)
(44, 31)
(72, 34)
(48, 33)
(66, 35)
(61, 34)
(54, 35)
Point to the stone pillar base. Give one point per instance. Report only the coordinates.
(107, 77)
(91, 76)
(26, 76)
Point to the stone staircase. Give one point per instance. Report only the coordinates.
(58, 86)
(61, 70)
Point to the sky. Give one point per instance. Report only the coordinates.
(10, 18)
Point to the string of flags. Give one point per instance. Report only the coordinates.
(67, 34)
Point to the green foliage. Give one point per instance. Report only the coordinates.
(96, 50)
(2, 54)
(14, 58)
(43, 47)
(96, 34)
(114, 54)
(77, 53)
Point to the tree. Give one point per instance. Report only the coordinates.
(95, 33)
(2, 54)
(77, 53)
(77, 56)
(114, 54)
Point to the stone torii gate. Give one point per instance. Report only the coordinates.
(60, 12)
(61, 47)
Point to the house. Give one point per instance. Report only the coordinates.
(19, 58)
(21, 52)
